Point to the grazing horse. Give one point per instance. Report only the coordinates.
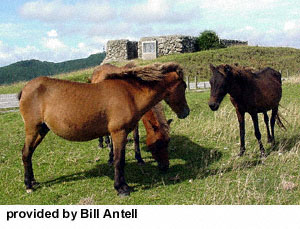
(158, 134)
(157, 127)
(82, 112)
(252, 92)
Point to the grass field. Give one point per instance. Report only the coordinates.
(204, 168)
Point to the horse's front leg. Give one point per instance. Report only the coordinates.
(241, 119)
(257, 134)
(119, 140)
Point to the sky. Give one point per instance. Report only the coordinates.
(60, 30)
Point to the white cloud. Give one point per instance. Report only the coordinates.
(52, 33)
(58, 11)
(53, 50)
(232, 6)
(54, 44)
(292, 28)
(75, 29)
(9, 55)
(161, 11)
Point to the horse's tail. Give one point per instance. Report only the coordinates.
(19, 95)
(278, 121)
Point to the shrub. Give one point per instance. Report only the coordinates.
(208, 39)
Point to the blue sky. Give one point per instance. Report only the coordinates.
(59, 30)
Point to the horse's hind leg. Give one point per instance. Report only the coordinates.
(111, 152)
(258, 134)
(33, 138)
(273, 119)
(100, 145)
(266, 119)
(137, 150)
(107, 141)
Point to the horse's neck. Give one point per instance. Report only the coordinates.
(241, 88)
(148, 96)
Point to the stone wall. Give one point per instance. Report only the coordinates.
(117, 50)
(169, 44)
(229, 43)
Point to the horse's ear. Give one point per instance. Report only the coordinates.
(227, 69)
(169, 121)
(212, 68)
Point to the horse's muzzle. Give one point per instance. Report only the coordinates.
(214, 106)
(184, 114)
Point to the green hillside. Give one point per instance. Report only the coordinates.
(29, 69)
(197, 64)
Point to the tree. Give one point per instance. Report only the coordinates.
(208, 39)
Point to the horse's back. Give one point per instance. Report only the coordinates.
(101, 71)
(269, 73)
(269, 90)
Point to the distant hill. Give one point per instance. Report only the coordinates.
(282, 59)
(29, 69)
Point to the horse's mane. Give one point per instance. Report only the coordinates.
(237, 70)
(149, 73)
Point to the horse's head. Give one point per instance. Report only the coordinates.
(160, 153)
(219, 85)
(175, 96)
(159, 149)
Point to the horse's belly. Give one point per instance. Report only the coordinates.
(78, 130)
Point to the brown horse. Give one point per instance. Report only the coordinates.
(99, 75)
(154, 121)
(249, 92)
(82, 112)
(158, 134)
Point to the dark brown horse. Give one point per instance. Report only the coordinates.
(249, 92)
(82, 111)
(154, 121)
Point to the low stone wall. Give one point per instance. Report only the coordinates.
(229, 43)
(169, 44)
(117, 50)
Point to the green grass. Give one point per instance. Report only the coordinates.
(204, 168)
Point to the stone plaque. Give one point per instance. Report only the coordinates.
(149, 50)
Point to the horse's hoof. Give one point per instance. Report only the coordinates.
(124, 191)
(123, 194)
(100, 146)
(242, 152)
(29, 190)
(35, 183)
